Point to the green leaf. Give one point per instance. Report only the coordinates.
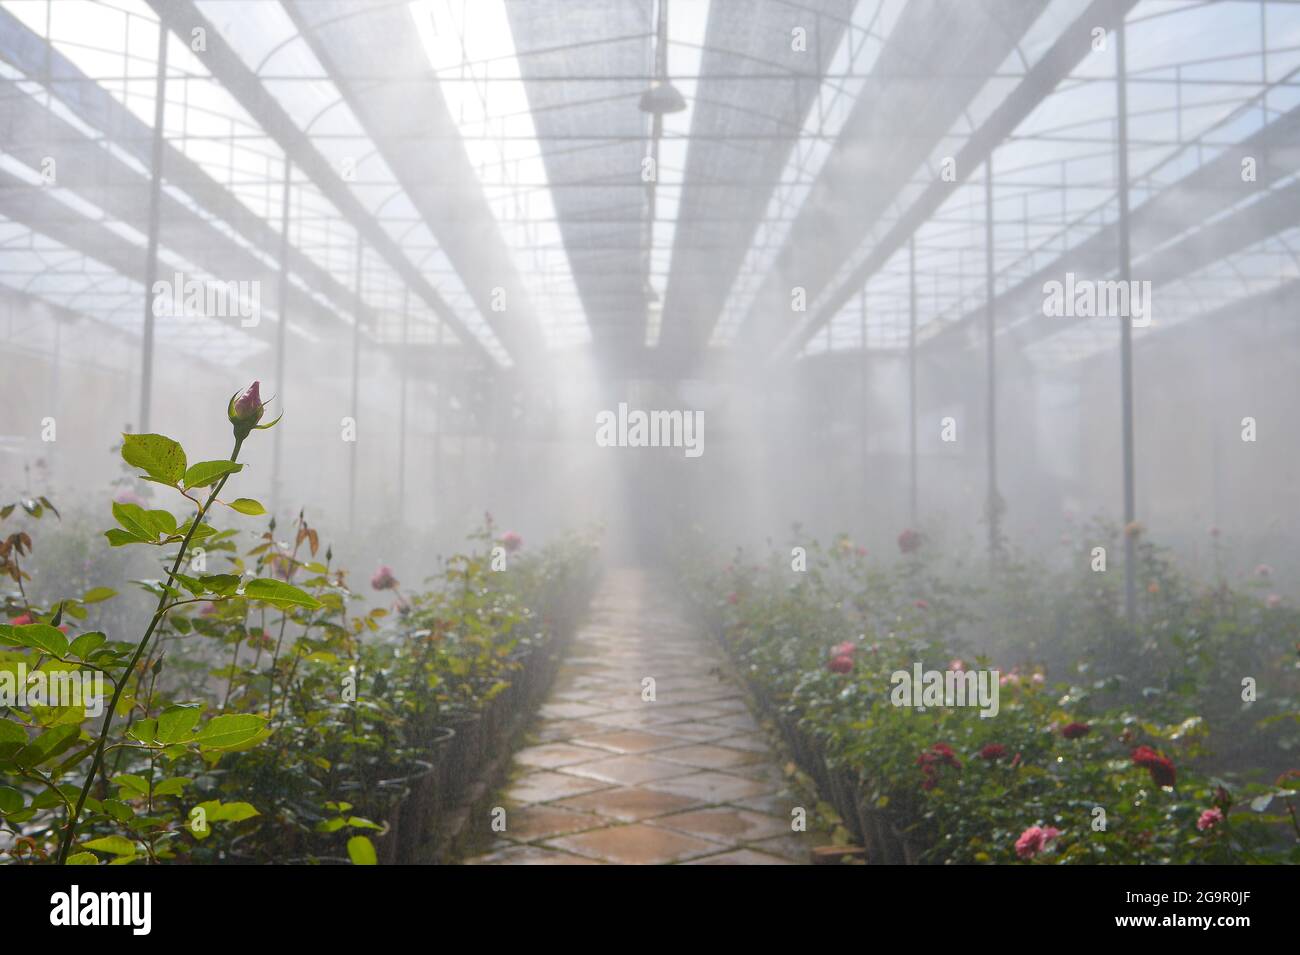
(280, 594)
(246, 505)
(224, 585)
(113, 845)
(138, 785)
(234, 812)
(217, 811)
(95, 594)
(120, 538)
(176, 724)
(48, 745)
(41, 636)
(86, 644)
(143, 731)
(144, 525)
(11, 800)
(362, 851)
(11, 732)
(158, 456)
(206, 473)
(173, 786)
(195, 587)
(229, 730)
(82, 858)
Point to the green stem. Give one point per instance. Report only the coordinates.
(70, 832)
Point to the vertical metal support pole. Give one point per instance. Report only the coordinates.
(911, 379)
(994, 500)
(56, 387)
(401, 417)
(862, 377)
(1126, 330)
(155, 207)
(439, 421)
(281, 333)
(356, 388)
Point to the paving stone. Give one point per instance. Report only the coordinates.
(635, 844)
(750, 742)
(706, 756)
(630, 770)
(545, 786)
(531, 855)
(541, 822)
(740, 857)
(551, 755)
(629, 803)
(726, 824)
(613, 778)
(567, 711)
(628, 741)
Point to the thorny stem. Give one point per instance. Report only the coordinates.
(69, 834)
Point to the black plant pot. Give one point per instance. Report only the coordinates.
(418, 809)
(464, 756)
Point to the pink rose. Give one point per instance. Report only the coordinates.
(1209, 819)
(383, 578)
(1034, 840)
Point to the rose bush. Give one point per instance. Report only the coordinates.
(1111, 742)
(259, 716)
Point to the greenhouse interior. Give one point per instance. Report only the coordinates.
(649, 432)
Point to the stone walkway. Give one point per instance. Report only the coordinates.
(686, 778)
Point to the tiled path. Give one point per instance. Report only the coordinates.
(616, 779)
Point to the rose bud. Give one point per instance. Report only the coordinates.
(383, 578)
(245, 410)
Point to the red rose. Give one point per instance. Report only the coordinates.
(21, 621)
(841, 664)
(940, 754)
(1076, 730)
(993, 751)
(844, 649)
(908, 541)
(1160, 766)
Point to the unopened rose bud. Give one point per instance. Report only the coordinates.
(246, 409)
(383, 578)
(247, 406)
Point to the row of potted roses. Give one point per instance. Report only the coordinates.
(1081, 770)
(260, 717)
